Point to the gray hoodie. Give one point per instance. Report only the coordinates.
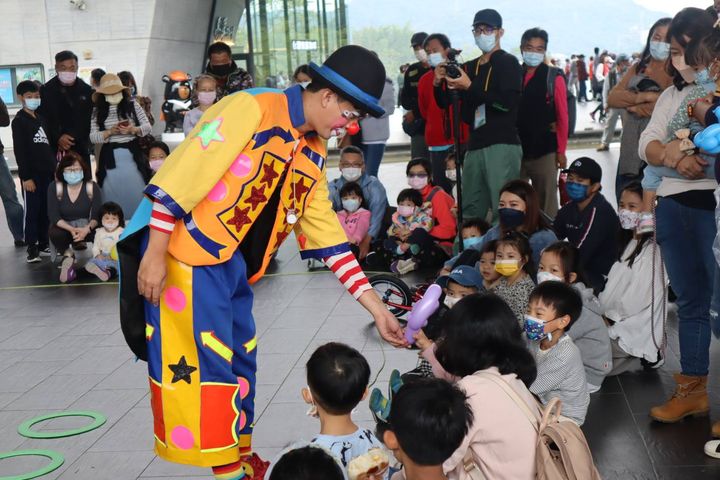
(590, 334)
(377, 130)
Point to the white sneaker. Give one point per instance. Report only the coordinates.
(712, 448)
(406, 266)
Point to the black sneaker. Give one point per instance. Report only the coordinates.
(653, 365)
(20, 243)
(44, 250)
(33, 254)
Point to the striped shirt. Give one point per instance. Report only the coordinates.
(560, 374)
(97, 136)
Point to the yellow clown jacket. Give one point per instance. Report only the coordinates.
(219, 180)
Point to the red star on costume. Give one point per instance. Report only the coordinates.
(257, 196)
(281, 236)
(269, 174)
(239, 219)
(299, 190)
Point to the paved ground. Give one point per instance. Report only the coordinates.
(61, 349)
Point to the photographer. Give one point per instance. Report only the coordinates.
(542, 121)
(438, 121)
(413, 123)
(490, 89)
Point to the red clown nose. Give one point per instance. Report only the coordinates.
(353, 128)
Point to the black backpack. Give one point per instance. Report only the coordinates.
(553, 73)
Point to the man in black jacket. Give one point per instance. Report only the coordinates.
(8, 193)
(67, 107)
(413, 124)
(489, 89)
(36, 165)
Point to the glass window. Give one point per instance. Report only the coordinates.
(11, 75)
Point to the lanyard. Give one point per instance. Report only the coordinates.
(487, 78)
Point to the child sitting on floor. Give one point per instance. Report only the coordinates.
(102, 265)
(512, 261)
(486, 265)
(337, 378)
(428, 421)
(354, 219)
(554, 308)
(308, 462)
(560, 262)
(409, 217)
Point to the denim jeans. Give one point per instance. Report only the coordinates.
(686, 236)
(8, 194)
(373, 153)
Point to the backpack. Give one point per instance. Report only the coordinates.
(553, 73)
(562, 452)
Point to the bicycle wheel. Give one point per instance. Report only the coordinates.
(393, 292)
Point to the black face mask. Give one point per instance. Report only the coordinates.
(221, 70)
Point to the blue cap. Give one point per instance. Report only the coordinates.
(464, 275)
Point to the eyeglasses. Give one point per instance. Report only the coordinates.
(352, 115)
(484, 29)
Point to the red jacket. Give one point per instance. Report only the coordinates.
(444, 222)
(438, 122)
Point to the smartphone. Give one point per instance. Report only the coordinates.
(124, 123)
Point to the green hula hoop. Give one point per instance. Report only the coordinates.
(56, 460)
(25, 428)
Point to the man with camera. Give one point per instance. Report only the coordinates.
(489, 89)
(438, 121)
(413, 124)
(542, 119)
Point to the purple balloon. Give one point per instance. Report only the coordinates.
(422, 310)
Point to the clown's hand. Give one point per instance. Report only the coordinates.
(387, 325)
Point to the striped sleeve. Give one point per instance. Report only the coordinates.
(347, 269)
(162, 219)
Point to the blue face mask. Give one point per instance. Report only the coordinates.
(511, 218)
(32, 103)
(576, 191)
(534, 328)
(485, 42)
(659, 50)
(73, 178)
(533, 59)
(472, 241)
(704, 79)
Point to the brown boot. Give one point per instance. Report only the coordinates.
(716, 430)
(690, 398)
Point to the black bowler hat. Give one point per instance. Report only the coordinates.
(586, 167)
(488, 17)
(355, 73)
(418, 39)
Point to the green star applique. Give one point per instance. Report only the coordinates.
(210, 132)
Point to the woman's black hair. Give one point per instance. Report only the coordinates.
(482, 332)
(702, 51)
(521, 243)
(306, 463)
(128, 79)
(161, 145)
(97, 74)
(412, 195)
(646, 57)
(534, 218)
(569, 257)
(423, 162)
(125, 109)
(304, 68)
(627, 235)
(112, 208)
(353, 187)
(693, 23)
(440, 37)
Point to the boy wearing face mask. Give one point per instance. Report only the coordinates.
(554, 307)
(206, 92)
(589, 222)
(405, 236)
(36, 163)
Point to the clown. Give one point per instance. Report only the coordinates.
(217, 211)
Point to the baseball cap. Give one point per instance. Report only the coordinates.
(586, 167)
(464, 275)
(418, 39)
(489, 17)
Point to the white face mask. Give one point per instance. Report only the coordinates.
(629, 220)
(350, 204)
(435, 59)
(451, 175)
(114, 99)
(110, 226)
(547, 277)
(421, 55)
(405, 210)
(156, 164)
(450, 301)
(351, 174)
(67, 78)
(312, 409)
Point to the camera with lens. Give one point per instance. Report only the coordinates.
(452, 67)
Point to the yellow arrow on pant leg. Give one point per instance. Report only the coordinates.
(250, 345)
(210, 341)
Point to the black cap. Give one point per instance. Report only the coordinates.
(418, 39)
(357, 74)
(488, 17)
(586, 167)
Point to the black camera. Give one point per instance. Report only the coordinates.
(452, 67)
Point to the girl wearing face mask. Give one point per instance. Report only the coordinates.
(73, 206)
(354, 219)
(112, 223)
(408, 234)
(635, 95)
(519, 211)
(512, 262)
(561, 262)
(117, 123)
(439, 205)
(636, 313)
(205, 91)
(157, 153)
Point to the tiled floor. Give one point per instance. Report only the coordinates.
(61, 349)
